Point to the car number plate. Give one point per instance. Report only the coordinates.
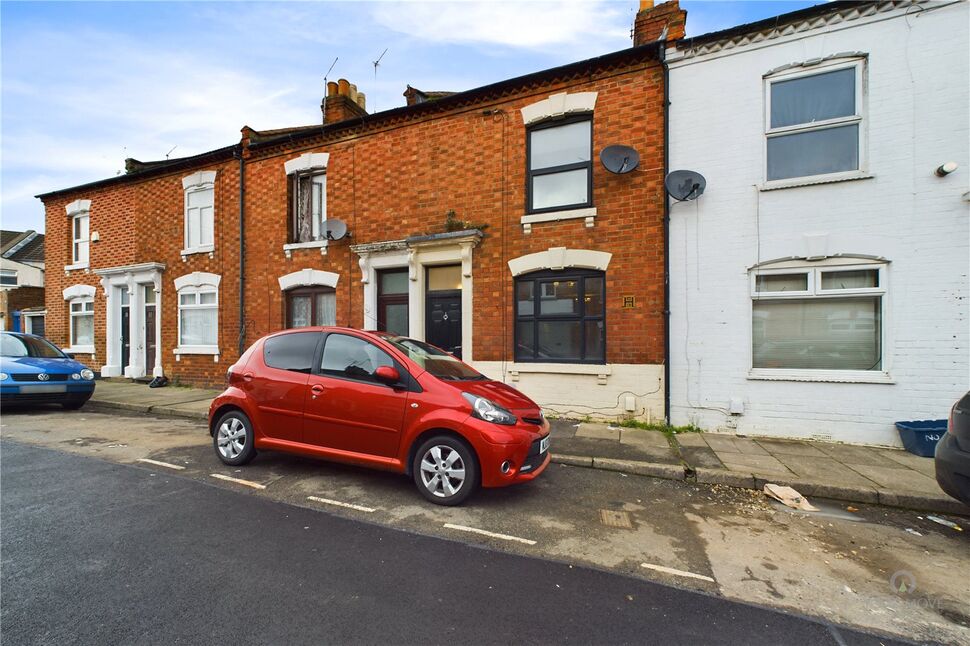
(43, 389)
(544, 444)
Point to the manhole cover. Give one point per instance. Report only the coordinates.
(612, 518)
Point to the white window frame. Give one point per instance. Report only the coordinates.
(28, 320)
(197, 283)
(16, 278)
(77, 262)
(815, 291)
(306, 164)
(82, 301)
(861, 94)
(199, 182)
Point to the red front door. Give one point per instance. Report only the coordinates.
(346, 408)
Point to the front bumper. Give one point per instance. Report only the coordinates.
(953, 468)
(71, 392)
(520, 448)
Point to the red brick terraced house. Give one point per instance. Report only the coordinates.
(481, 221)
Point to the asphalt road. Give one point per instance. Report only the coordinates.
(95, 552)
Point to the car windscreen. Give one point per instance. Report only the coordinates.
(438, 362)
(27, 346)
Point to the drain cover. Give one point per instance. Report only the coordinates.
(612, 518)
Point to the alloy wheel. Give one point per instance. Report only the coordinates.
(231, 438)
(442, 471)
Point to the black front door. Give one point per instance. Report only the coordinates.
(443, 321)
(125, 337)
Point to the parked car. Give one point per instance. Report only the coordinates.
(381, 401)
(35, 371)
(953, 453)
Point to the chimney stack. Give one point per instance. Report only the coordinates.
(651, 21)
(342, 102)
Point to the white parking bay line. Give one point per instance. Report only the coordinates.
(504, 537)
(337, 503)
(161, 464)
(248, 483)
(670, 570)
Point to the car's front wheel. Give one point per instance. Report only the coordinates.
(445, 470)
(233, 438)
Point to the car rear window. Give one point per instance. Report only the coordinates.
(293, 352)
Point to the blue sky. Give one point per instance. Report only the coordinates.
(85, 85)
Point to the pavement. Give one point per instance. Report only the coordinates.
(191, 563)
(851, 473)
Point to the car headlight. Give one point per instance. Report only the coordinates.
(75, 376)
(3, 376)
(489, 411)
(87, 374)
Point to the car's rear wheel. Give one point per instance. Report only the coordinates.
(233, 438)
(445, 470)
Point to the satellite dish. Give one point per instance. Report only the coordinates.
(335, 229)
(619, 159)
(684, 185)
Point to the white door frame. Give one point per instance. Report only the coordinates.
(131, 278)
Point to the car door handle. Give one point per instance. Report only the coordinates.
(316, 389)
(248, 376)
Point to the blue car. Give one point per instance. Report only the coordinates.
(34, 371)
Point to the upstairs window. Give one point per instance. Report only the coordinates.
(199, 211)
(814, 123)
(560, 165)
(309, 206)
(80, 226)
(8, 278)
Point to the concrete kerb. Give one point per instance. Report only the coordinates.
(110, 406)
(741, 480)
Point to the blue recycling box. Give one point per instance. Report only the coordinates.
(920, 437)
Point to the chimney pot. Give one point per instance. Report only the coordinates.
(362, 100)
(352, 94)
(343, 87)
(332, 88)
(646, 5)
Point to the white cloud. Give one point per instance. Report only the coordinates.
(585, 26)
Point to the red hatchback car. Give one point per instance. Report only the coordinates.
(381, 401)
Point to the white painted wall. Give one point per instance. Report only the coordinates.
(918, 118)
(28, 275)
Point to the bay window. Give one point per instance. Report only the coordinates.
(560, 317)
(823, 318)
(815, 122)
(559, 165)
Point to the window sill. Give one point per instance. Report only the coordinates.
(827, 376)
(313, 244)
(196, 349)
(76, 266)
(209, 249)
(600, 371)
(587, 213)
(795, 182)
(79, 349)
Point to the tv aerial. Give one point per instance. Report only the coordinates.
(619, 159)
(335, 229)
(685, 185)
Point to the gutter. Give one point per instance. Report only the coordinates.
(242, 250)
(662, 57)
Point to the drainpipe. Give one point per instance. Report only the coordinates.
(242, 252)
(666, 229)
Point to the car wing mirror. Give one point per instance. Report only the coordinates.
(387, 375)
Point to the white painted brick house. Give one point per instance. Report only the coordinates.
(819, 287)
